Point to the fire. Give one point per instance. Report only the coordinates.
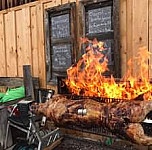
(86, 77)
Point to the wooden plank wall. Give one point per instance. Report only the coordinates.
(5, 4)
(136, 32)
(22, 39)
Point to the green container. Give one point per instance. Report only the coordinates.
(13, 94)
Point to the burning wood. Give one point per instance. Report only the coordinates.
(122, 117)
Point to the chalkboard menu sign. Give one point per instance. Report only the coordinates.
(60, 26)
(99, 20)
(60, 40)
(61, 58)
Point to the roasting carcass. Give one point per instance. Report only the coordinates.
(123, 117)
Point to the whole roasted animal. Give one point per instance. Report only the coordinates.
(123, 117)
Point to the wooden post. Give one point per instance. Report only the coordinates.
(3, 70)
(123, 39)
(129, 31)
(10, 43)
(140, 33)
(116, 38)
(41, 46)
(80, 25)
(28, 82)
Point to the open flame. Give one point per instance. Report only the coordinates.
(86, 77)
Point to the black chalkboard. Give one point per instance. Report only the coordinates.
(61, 58)
(60, 26)
(99, 20)
(108, 44)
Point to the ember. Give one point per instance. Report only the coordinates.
(86, 77)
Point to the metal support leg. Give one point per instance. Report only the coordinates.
(6, 136)
(29, 130)
(37, 135)
(39, 146)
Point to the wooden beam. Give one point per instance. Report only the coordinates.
(11, 50)
(49, 4)
(3, 70)
(35, 3)
(34, 44)
(129, 47)
(13, 81)
(27, 57)
(116, 27)
(20, 43)
(23, 34)
(74, 32)
(80, 17)
(41, 46)
(140, 31)
(123, 39)
(16, 82)
(47, 46)
(150, 38)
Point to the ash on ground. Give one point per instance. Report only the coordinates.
(69, 143)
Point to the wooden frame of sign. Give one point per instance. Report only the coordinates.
(100, 19)
(60, 40)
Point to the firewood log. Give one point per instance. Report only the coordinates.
(123, 117)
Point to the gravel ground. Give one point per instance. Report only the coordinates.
(69, 143)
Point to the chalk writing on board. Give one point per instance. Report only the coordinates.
(61, 58)
(60, 26)
(99, 20)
